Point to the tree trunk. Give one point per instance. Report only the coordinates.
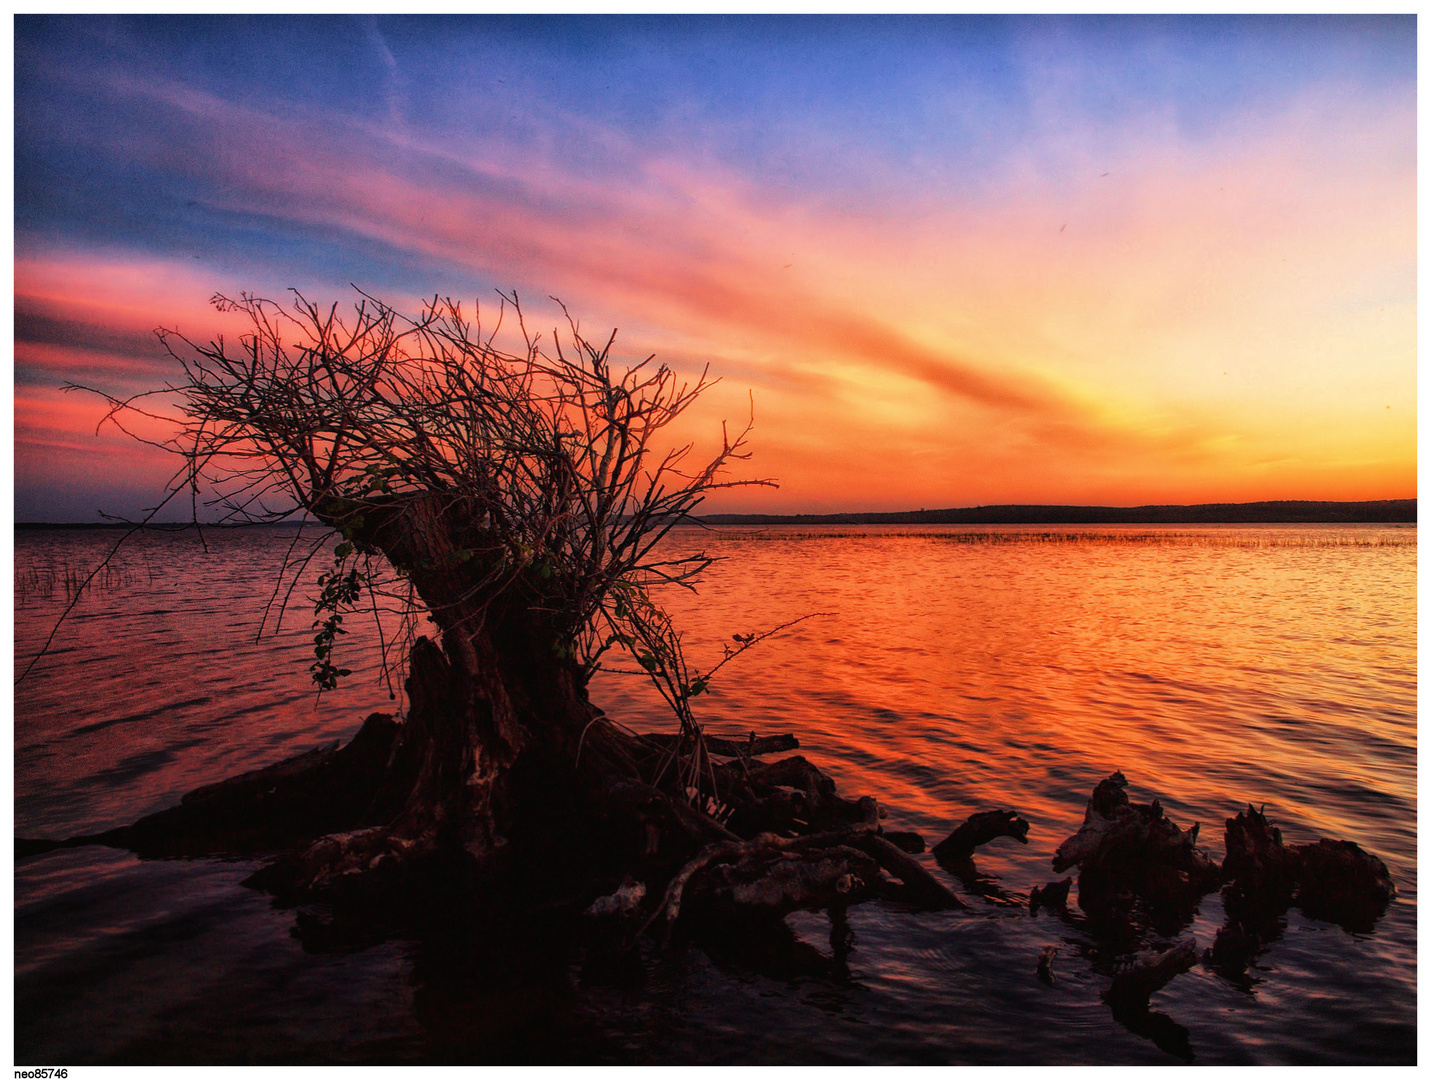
(496, 693)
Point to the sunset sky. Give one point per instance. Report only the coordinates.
(957, 260)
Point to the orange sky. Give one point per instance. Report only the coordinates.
(1128, 303)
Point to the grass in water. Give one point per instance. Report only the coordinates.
(1157, 539)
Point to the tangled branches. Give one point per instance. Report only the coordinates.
(483, 476)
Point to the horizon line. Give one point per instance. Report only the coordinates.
(1267, 511)
(1272, 511)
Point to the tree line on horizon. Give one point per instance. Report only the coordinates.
(1283, 511)
(1273, 512)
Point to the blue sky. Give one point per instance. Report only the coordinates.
(977, 241)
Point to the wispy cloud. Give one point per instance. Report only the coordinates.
(1152, 302)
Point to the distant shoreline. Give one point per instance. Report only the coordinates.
(1291, 512)
(1286, 512)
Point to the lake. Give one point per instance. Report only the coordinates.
(951, 670)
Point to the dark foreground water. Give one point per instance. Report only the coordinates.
(958, 670)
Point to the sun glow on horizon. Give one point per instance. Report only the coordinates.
(1086, 275)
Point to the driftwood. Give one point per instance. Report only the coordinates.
(766, 846)
(1053, 896)
(955, 853)
(341, 850)
(1134, 984)
(1131, 851)
(1332, 880)
(623, 851)
(773, 875)
(771, 882)
(978, 830)
(924, 887)
(327, 816)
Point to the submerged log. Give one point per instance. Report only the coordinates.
(955, 853)
(1236, 946)
(1332, 880)
(1128, 998)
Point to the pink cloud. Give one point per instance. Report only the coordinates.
(1068, 337)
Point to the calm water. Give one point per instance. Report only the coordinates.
(958, 670)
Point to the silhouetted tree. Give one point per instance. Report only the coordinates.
(515, 498)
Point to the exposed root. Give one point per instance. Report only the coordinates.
(624, 901)
(282, 806)
(603, 841)
(669, 910)
(340, 866)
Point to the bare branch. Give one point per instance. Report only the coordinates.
(490, 481)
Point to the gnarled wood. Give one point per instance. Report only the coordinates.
(978, 830)
(923, 886)
(1125, 850)
(1333, 880)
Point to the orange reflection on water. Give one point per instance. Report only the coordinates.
(959, 671)
(962, 671)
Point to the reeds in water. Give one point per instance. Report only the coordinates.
(1211, 539)
(46, 581)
